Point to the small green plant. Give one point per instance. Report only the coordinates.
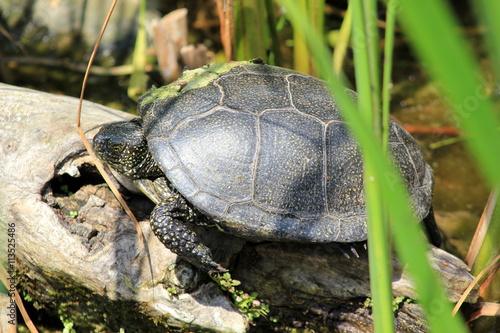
(68, 325)
(368, 303)
(65, 189)
(246, 303)
(172, 291)
(396, 302)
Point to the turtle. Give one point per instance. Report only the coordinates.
(259, 151)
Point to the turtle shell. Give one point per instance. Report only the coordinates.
(264, 152)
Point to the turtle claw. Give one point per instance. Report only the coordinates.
(344, 253)
(202, 258)
(353, 250)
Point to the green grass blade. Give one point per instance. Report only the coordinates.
(313, 12)
(301, 53)
(379, 252)
(488, 14)
(277, 58)
(365, 45)
(251, 29)
(344, 37)
(137, 82)
(362, 64)
(451, 63)
(387, 71)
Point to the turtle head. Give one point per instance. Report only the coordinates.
(122, 146)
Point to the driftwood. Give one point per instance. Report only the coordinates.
(75, 246)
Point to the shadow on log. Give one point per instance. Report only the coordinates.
(78, 252)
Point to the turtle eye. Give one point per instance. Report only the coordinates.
(116, 148)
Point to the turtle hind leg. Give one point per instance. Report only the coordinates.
(432, 229)
(168, 222)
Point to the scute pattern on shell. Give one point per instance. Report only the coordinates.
(264, 152)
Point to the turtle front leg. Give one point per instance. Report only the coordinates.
(168, 222)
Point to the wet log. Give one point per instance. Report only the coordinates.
(76, 249)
